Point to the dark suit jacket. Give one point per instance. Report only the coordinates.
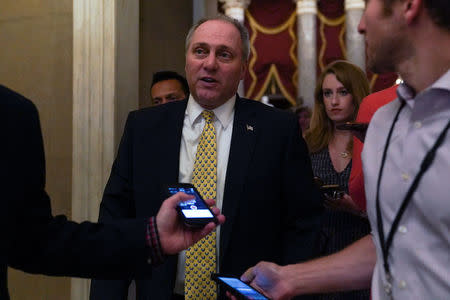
(271, 204)
(31, 238)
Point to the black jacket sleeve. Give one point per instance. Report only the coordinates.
(38, 242)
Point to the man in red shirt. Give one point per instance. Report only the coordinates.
(367, 109)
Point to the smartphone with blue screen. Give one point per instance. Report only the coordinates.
(194, 212)
(237, 287)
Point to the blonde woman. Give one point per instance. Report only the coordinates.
(339, 91)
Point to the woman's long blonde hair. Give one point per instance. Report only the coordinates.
(355, 81)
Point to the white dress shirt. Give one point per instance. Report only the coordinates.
(419, 257)
(192, 130)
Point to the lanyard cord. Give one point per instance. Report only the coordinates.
(426, 163)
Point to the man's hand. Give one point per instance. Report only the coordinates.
(173, 234)
(348, 269)
(269, 279)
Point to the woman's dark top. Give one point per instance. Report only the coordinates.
(340, 228)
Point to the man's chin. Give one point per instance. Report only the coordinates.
(207, 101)
(379, 67)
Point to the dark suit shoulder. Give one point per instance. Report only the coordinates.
(156, 113)
(261, 107)
(12, 102)
(271, 116)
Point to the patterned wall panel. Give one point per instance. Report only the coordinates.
(273, 37)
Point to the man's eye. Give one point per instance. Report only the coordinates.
(199, 51)
(225, 55)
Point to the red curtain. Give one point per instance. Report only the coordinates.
(272, 27)
(273, 39)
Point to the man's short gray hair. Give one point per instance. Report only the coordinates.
(245, 43)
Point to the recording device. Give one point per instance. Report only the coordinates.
(237, 287)
(331, 191)
(356, 126)
(194, 212)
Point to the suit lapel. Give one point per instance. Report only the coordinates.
(245, 129)
(169, 141)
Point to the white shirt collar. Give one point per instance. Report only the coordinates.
(223, 113)
(405, 92)
(443, 82)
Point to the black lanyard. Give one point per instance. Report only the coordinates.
(427, 161)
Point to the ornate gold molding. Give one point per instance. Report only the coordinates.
(256, 27)
(333, 23)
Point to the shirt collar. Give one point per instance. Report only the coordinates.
(406, 93)
(443, 82)
(223, 113)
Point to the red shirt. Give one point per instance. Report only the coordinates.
(367, 109)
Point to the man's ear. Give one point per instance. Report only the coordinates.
(243, 70)
(412, 9)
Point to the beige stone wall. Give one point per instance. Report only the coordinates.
(163, 27)
(36, 60)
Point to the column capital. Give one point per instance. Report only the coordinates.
(242, 4)
(354, 4)
(235, 8)
(306, 7)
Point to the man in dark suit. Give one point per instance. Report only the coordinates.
(264, 179)
(168, 86)
(36, 242)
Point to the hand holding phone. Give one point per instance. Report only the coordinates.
(358, 129)
(174, 236)
(238, 288)
(332, 191)
(194, 212)
(356, 126)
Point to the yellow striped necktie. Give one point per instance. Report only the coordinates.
(201, 257)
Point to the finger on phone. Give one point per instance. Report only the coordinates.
(210, 202)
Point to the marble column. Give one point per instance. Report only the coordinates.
(236, 10)
(306, 50)
(105, 89)
(354, 41)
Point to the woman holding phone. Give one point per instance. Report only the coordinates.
(339, 91)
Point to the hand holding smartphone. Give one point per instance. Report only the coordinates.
(332, 191)
(358, 129)
(356, 126)
(237, 287)
(195, 212)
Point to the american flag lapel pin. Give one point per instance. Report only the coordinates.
(249, 128)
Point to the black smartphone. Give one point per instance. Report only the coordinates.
(332, 191)
(194, 212)
(237, 287)
(353, 126)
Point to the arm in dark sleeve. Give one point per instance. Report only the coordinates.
(303, 201)
(117, 204)
(37, 242)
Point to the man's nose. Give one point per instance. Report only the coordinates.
(362, 25)
(210, 62)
